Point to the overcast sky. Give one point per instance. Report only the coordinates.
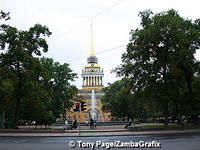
(69, 21)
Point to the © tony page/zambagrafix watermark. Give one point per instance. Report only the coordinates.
(114, 144)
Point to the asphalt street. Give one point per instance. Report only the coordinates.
(167, 142)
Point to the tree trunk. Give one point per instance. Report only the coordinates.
(189, 78)
(18, 98)
(64, 111)
(166, 120)
(166, 94)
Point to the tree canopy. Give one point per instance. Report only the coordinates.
(31, 88)
(160, 57)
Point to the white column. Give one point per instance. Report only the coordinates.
(87, 81)
(99, 80)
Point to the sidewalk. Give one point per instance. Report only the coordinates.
(61, 129)
(99, 134)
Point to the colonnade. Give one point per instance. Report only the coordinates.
(92, 80)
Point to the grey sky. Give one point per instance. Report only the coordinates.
(70, 20)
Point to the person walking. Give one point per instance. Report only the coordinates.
(94, 124)
(129, 124)
(182, 122)
(74, 124)
(91, 123)
(66, 125)
(86, 122)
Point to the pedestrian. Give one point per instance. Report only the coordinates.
(182, 122)
(86, 122)
(91, 123)
(74, 124)
(129, 124)
(66, 124)
(94, 124)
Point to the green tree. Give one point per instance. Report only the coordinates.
(132, 104)
(17, 60)
(56, 81)
(4, 15)
(163, 42)
(31, 89)
(117, 96)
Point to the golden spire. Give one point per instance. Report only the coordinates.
(91, 43)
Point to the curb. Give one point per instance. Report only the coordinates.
(93, 131)
(168, 132)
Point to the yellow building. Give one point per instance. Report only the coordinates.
(92, 79)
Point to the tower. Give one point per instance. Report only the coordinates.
(92, 74)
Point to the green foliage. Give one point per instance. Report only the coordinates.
(117, 96)
(132, 104)
(31, 89)
(56, 80)
(4, 15)
(160, 59)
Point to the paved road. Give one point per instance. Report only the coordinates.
(169, 142)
